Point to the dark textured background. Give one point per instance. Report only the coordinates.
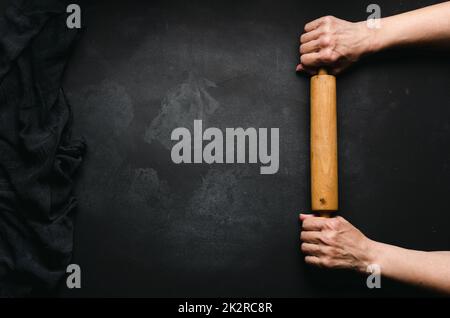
(147, 227)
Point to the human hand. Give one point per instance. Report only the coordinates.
(333, 43)
(334, 243)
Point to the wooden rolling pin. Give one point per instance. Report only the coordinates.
(324, 161)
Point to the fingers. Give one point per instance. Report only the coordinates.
(310, 237)
(314, 223)
(311, 59)
(312, 245)
(303, 68)
(316, 59)
(312, 249)
(314, 24)
(305, 216)
(309, 47)
(324, 262)
(310, 36)
(331, 242)
(318, 45)
(313, 260)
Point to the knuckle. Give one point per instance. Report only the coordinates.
(334, 223)
(329, 237)
(332, 236)
(328, 19)
(331, 58)
(340, 220)
(329, 262)
(326, 29)
(325, 41)
(334, 251)
(325, 262)
(326, 56)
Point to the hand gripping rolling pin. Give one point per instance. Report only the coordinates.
(324, 161)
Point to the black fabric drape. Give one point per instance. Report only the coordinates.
(37, 155)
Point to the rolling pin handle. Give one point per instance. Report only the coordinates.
(322, 71)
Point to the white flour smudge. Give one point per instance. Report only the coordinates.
(188, 101)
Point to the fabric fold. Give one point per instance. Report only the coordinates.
(38, 156)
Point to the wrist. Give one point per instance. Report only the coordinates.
(371, 255)
(372, 38)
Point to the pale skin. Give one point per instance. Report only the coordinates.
(334, 242)
(336, 43)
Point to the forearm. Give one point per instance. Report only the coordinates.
(429, 26)
(427, 269)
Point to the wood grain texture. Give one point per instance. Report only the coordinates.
(324, 162)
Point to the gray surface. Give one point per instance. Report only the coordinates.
(147, 227)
